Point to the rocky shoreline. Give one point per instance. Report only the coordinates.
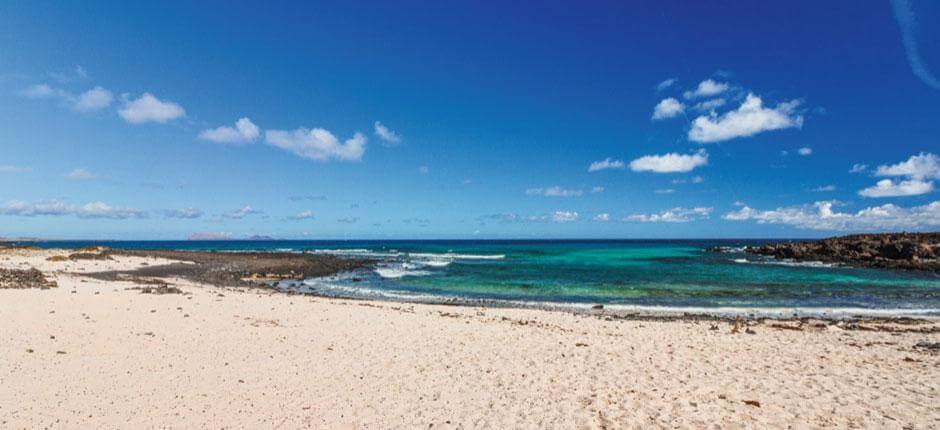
(906, 251)
(234, 269)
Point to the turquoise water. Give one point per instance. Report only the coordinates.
(665, 274)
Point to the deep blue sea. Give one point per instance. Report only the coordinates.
(672, 275)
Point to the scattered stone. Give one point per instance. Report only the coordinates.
(31, 278)
(580, 344)
(57, 258)
(29, 350)
(930, 346)
(60, 352)
(597, 307)
(89, 256)
(754, 403)
(160, 289)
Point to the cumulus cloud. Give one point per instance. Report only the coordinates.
(564, 216)
(821, 216)
(667, 108)
(675, 215)
(669, 163)
(921, 166)
(148, 108)
(804, 151)
(607, 163)
(185, 213)
(666, 84)
(891, 188)
(386, 135)
(210, 235)
(602, 217)
(60, 208)
(241, 213)
(96, 98)
(81, 174)
(244, 131)
(554, 192)
(697, 179)
(747, 120)
(707, 88)
(317, 144)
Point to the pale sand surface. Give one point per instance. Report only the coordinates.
(221, 358)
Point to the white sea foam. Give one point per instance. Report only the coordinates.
(458, 256)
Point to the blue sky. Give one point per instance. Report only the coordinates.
(468, 120)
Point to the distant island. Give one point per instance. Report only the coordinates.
(909, 251)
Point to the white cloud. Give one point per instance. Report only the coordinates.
(666, 84)
(59, 208)
(603, 217)
(672, 215)
(707, 88)
(185, 213)
(667, 108)
(858, 168)
(891, 188)
(607, 163)
(564, 216)
(39, 91)
(96, 98)
(148, 108)
(210, 235)
(317, 144)
(6, 168)
(824, 189)
(554, 192)
(302, 216)
(349, 220)
(804, 151)
(669, 163)
(244, 131)
(664, 191)
(385, 134)
(595, 190)
(81, 174)
(820, 216)
(241, 213)
(921, 166)
(712, 104)
(908, 24)
(697, 179)
(749, 119)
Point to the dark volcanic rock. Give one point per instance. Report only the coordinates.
(910, 251)
(32, 278)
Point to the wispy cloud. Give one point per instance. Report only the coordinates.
(348, 220)
(94, 99)
(244, 131)
(554, 192)
(81, 174)
(7, 168)
(60, 208)
(821, 216)
(148, 108)
(908, 25)
(242, 213)
(747, 120)
(303, 216)
(185, 213)
(602, 217)
(674, 215)
(666, 84)
(309, 197)
(670, 163)
(804, 151)
(607, 163)
(858, 168)
(824, 189)
(892, 188)
(386, 135)
(317, 144)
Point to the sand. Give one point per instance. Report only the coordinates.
(95, 354)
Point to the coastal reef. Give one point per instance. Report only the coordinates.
(909, 251)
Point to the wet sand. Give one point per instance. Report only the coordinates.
(101, 353)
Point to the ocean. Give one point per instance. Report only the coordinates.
(632, 275)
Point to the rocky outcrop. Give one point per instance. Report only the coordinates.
(31, 278)
(911, 251)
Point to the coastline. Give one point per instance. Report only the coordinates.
(125, 353)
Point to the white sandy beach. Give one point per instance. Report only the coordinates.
(94, 354)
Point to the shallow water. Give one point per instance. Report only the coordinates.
(670, 274)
